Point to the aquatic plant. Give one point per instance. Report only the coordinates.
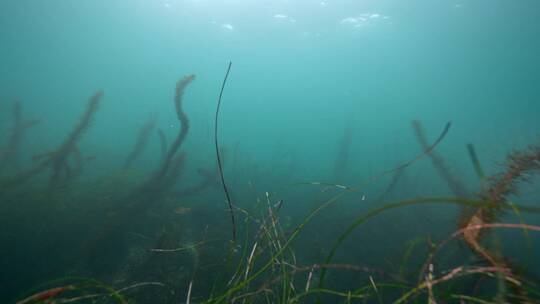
(184, 129)
(209, 179)
(142, 142)
(156, 187)
(344, 149)
(170, 169)
(163, 145)
(438, 162)
(519, 166)
(266, 262)
(59, 160)
(10, 154)
(227, 196)
(394, 170)
(268, 269)
(393, 182)
(475, 161)
(82, 290)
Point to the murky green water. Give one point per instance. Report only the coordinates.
(110, 189)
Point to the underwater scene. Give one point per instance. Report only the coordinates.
(258, 151)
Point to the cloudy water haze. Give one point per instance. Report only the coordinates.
(370, 151)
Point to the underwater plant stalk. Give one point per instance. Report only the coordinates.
(342, 157)
(209, 179)
(163, 144)
(184, 125)
(58, 160)
(364, 217)
(395, 169)
(391, 185)
(281, 251)
(520, 166)
(475, 161)
(231, 211)
(428, 149)
(141, 143)
(454, 273)
(10, 154)
(60, 157)
(438, 162)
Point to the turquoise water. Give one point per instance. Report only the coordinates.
(318, 92)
